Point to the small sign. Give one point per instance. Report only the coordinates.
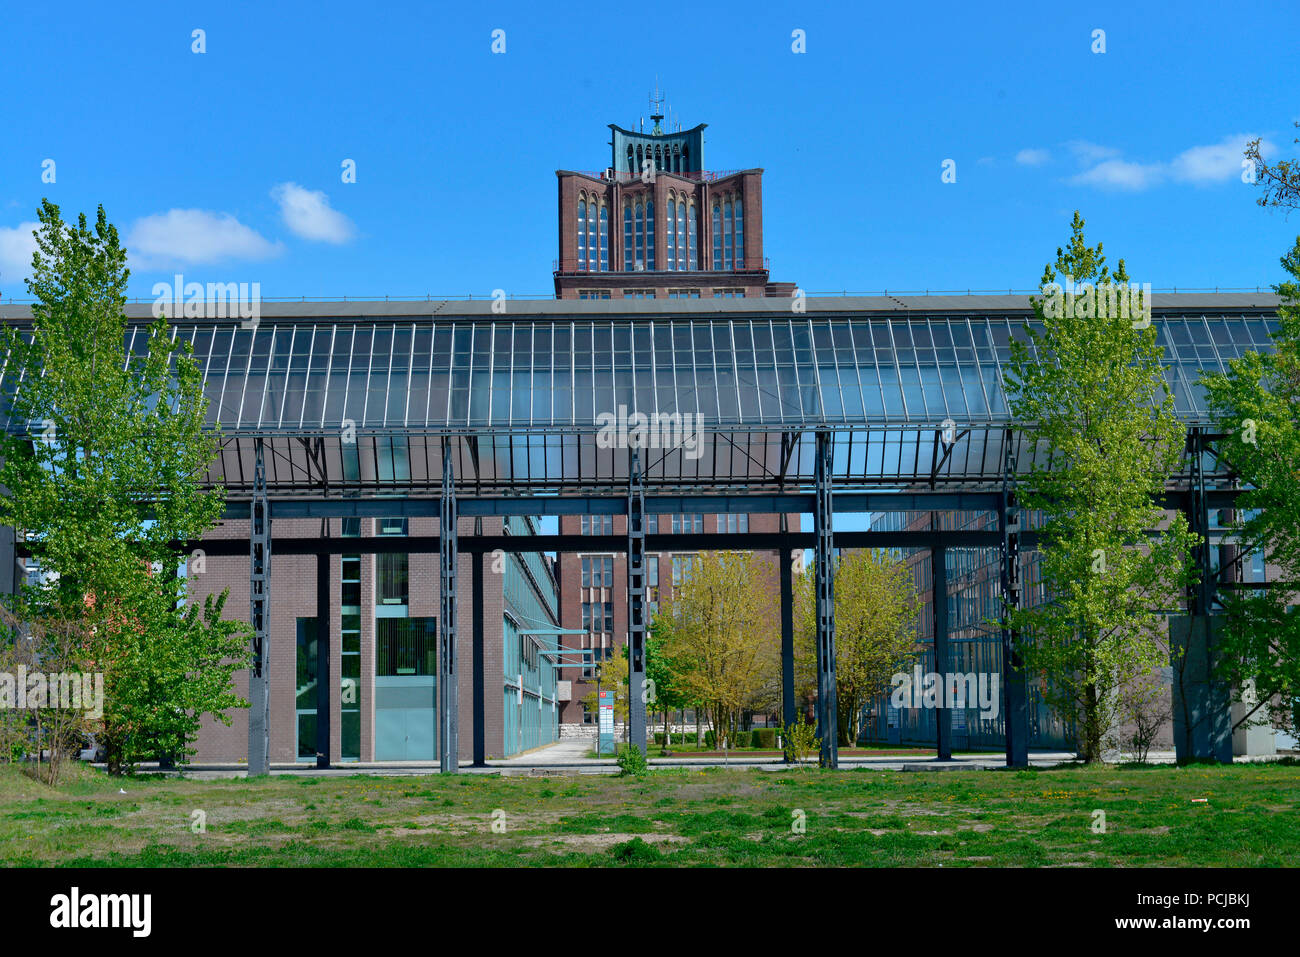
(606, 743)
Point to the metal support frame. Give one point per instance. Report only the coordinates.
(1198, 519)
(636, 619)
(827, 711)
(324, 655)
(259, 616)
(480, 684)
(785, 557)
(1015, 716)
(942, 660)
(448, 709)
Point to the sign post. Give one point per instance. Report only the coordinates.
(605, 740)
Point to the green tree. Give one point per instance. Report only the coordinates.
(1257, 406)
(876, 610)
(721, 632)
(1090, 389)
(106, 480)
(1280, 182)
(664, 674)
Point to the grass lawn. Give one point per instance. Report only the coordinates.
(680, 817)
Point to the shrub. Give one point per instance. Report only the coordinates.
(800, 740)
(765, 738)
(631, 761)
(710, 740)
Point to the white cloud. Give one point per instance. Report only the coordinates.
(1086, 152)
(1217, 162)
(1207, 164)
(191, 237)
(1033, 157)
(16, 248)
(308, 214)
(1120, 174)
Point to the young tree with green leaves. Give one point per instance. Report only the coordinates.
(1257, 406)
(721, 632)
(101, 483)
(664, 674)
(876, 610)
(1091, 394)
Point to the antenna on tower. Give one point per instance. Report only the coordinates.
(656, 108)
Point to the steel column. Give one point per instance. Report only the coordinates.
(1198, 519)
(448, 707)
(827, 713)
(1015, 717)
(636, 683)
(480, 684)
(942, 661)
(787, 633)
(324, 653)
(259, 616)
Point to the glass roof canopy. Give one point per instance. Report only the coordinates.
(519, 395)
(533, 373)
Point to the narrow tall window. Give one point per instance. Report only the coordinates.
(604, 239)
(670, 235)
(717, 237)
(582, 234)
(629, 251)
(650, 235)
(740, 235)
(694, 261)
(640, 236)
(681, 235)
(728, 237)
(592, 240)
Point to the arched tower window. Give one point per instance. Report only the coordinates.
(717, 237)
(681, 235)
(728, 237)
(582, 234)
(693, 261)
(640, 233)
(650, 235)
(740, 234)
(604, 238)
(629, 251)
(593, 238)
(670, 234)
(631, 160)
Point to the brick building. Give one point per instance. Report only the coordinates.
(383, 609)
(656, 224)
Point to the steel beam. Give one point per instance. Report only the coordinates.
(655, 504)
(1015, 716)
(636, 619)
(448, 708)
(259, 617)
(662, 542)
(827, 713)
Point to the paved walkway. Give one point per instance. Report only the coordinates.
(569, 756)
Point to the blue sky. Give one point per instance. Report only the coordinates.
(226, 165)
